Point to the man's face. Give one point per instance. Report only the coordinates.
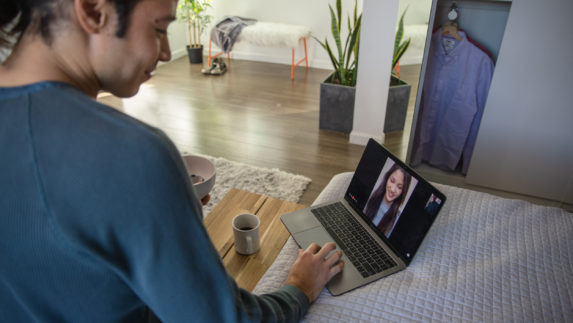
(123, 64)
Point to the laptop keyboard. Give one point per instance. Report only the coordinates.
(356, 243)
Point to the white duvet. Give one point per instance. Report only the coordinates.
(485, 259)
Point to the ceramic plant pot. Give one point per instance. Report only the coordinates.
(195, 54)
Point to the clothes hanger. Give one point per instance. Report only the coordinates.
(450, 28)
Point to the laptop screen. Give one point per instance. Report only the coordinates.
(397, 202)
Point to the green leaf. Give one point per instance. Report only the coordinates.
(401, 50)
(354, 40)
(346, 46)
(339, 13)
(399, 46)
(336, 35)
(335, 63)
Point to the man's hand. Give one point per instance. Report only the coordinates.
(314, 268)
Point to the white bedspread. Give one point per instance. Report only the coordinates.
(485, 259)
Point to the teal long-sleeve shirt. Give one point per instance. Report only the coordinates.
(99, 223)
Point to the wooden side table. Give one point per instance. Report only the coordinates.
(248, 270)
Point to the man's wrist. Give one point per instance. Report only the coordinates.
(302, 298)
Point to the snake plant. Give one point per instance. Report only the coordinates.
(345, 57)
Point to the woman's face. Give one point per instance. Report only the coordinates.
(394, 186)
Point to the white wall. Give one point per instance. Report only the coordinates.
(314, 13)
(418, 11)
(177, 39)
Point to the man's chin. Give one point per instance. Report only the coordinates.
(126, 92)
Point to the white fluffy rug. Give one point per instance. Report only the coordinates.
(270, 182)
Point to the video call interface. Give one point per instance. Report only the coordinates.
(397, 203)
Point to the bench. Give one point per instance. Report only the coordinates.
(268, 34)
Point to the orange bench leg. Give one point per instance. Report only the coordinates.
(210, 57)
(305, 60)
(292, 66)
(305, 54)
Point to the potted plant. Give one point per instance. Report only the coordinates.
(337, 92)
(193, 13)
(399, 92)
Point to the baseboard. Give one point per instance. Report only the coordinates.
(262, 54)
(273, 55)
(315, 62)
(415, 60)
(178, 53)
(361, 138)
(261, 57)
(175, 55)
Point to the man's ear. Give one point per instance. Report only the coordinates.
(91, 14)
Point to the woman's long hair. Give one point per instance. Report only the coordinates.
(375, 200)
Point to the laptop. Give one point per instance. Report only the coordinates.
(383, 218)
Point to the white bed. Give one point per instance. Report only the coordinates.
(485, 258)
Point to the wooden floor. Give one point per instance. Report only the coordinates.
(253, 114)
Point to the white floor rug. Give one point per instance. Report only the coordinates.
(270, 182)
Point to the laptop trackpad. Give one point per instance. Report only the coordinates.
(317, 234)
(300, 221)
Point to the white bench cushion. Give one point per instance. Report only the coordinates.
(268, 34)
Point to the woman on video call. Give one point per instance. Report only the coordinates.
(384, 203)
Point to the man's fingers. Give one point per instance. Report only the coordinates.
(313, 248)
(326, 249)
(314, 267)
(334, 270)
(334, 258)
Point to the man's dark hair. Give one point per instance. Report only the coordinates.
(17, 16)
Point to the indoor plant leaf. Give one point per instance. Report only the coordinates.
(344, 57)
(335, 29)
(399, 46)
(193, 13)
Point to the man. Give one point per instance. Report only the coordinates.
(98, 220)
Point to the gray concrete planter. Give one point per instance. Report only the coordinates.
(397, 106)
(336, 106)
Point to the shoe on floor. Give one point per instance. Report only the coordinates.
(207, 70)
(220, 68)
(217, 67)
